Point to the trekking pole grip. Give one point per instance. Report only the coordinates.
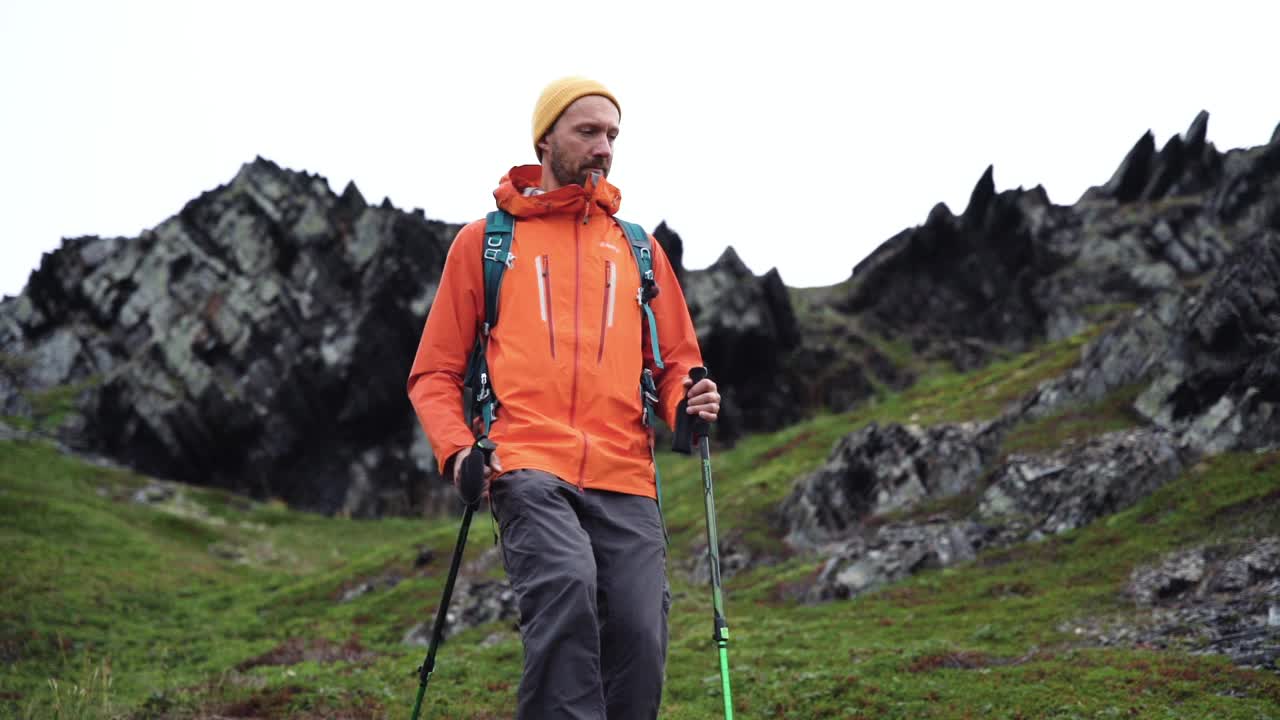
(688, 427)
(701, 428)
(471, 484)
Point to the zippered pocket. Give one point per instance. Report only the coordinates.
(606, 309)
(542, 264)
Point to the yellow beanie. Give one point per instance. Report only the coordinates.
(559, 95)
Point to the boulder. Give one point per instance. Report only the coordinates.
(878, 470)
(1033, 496)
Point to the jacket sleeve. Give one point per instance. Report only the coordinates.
(677, 340)
(435, 381)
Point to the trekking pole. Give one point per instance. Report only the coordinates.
(471, 488)
(700, 430)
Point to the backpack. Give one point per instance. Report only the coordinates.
(479, 404)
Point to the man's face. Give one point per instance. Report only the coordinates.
(581, 140)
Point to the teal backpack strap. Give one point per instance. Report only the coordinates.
(499, 226)
(643, 253)
(649, 394)
(478, 400)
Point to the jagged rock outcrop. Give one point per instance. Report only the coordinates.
(1025, 498)
(257, 341)
(260, 340)
(1209, 362)
(892, 552)
(673, 246)
(957, 286)
(1222, 599)
(1219, 383)
(1033, 496)
(877, 470)
(1014, 269)
(746, 328)
(1186, 165)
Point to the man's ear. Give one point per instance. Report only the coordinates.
(543, 146)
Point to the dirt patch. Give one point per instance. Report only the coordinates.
(951, 661)
(1266, 463)
(282, 703)
(297, 650)
(1246, 507)
(965, 660)
(273, 703)
(908, 596)
(1046, 551)
(1016, 589)
(11, 649)
(784, 592)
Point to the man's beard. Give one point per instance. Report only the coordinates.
(567, 174)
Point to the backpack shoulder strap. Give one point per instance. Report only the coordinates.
(499, 227)
(478, 401)
(642, 250)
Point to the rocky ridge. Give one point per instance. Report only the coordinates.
(1202, 352)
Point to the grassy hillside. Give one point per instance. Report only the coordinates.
(207, 605)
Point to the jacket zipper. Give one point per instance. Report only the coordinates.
(577, 335)
(542, 264)
(606, 312)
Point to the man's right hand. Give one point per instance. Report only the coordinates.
(492, 470)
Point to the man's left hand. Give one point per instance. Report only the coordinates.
(704, 399)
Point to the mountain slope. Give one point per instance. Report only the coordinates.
(205, 604)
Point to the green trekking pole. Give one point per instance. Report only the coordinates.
(471, 488)
(700, 430)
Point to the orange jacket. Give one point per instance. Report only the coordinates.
(566, 355)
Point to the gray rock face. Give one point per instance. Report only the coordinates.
(1014, 269)
(893, 552)
(1212, 599)
(1187, 236)
(1046, 495)
(1187, 164)
(1220, 383)
(1209, 362)
(882, 469)
(957, 280)
(746, 328)
(1029, 497)
(258, 341)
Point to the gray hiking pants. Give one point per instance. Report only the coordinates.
(589, 571)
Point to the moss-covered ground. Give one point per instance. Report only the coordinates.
(208, 605)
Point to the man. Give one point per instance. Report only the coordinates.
(572, 481)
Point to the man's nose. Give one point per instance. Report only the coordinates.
(602, 147)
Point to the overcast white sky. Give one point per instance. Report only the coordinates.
(802, 133)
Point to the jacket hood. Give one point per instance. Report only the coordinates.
(574, 199)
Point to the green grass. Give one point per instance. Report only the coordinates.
(50, 407)
(114, 609)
